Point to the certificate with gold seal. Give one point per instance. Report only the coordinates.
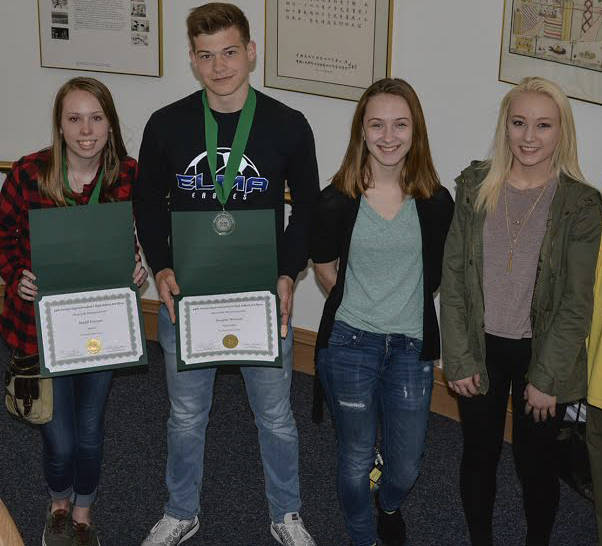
(240, 327)
(88, 313)
(228, 309)
(90, 330)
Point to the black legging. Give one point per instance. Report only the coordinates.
(533, 446)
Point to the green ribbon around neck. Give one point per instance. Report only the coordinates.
(241, 136)
(95, 195)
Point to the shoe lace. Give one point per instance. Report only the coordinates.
(175, 533)
(82, 533)
(168, 530)
(293, 531)
(58, 521)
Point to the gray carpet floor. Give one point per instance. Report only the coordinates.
(234, 509)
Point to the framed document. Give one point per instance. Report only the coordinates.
(121, 36)
(335, 49)
(228, 311)
(88, 315)
(561, 41)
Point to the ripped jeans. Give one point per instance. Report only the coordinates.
(369, 377)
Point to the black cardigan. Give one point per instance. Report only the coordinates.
(331, 237)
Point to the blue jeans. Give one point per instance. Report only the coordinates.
(191, 396)
(73, 440)
(367, 377)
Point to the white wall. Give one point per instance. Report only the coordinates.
(449, 51)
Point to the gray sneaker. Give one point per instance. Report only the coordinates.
(58, 530)
(291, 532)
(170, 531)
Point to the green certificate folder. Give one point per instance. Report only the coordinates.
(228, 310)
(88, 312)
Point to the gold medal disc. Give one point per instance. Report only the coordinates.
(93, 346)
(230, 341)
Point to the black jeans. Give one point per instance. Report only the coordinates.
(533, 446)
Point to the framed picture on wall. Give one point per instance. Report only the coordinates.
(334, 49)
(113, 36)
(561, 41)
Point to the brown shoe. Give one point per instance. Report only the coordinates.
(58, 530)
(84, 535)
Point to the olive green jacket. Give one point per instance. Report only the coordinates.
(561, 308)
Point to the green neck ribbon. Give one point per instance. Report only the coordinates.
(241, 136)
(94, 197)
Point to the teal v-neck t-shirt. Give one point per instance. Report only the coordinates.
(384, 278)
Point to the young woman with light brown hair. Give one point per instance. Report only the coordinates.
(377, 249)
(86, 162)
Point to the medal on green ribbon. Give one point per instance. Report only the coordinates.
(224, 223)
(94, 197)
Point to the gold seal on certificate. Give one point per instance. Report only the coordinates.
(224, 223)
(230, 341)
(85, 331)
(93, 345)
(226, 327)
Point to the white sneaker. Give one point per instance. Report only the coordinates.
(170, 531)
(291, 532)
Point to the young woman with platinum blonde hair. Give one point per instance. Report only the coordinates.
(564, 159)
(516, 301)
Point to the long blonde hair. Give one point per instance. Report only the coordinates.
(418, 176)
(564, 159)
(51, 177)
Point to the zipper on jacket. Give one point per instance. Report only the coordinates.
(538, 271)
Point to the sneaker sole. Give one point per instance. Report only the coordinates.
(275, 535)
(191, 533)
(44, 542)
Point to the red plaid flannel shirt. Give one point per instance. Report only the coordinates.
(20, 193)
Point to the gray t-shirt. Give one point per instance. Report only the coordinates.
(383, 282)
(508, 293)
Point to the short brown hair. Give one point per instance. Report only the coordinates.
(215, 16)
(418, 176)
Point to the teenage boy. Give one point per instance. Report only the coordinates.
(175, 176)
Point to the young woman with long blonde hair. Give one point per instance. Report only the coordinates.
(516, 301)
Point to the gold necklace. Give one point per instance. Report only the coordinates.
(522, 222)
